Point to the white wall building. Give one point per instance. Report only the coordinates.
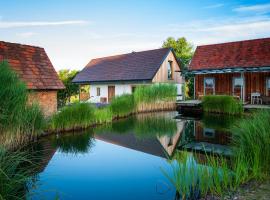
(121, 74)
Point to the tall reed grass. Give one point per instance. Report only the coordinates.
(222, 104)
(15, 172)
(251, 142)
(75, 116)
(17, 116)
(122, 105)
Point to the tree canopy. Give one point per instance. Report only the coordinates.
(182, 48)
(66, 77)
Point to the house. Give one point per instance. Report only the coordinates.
(34, 68)
(121, 74)
(241, 69)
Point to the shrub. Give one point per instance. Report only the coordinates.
(122, 105)
(222, 104)
(78, 115)
(155, 92)
(251, 143)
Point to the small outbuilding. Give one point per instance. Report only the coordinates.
(240, 69)
(121, 74)
(34, 67)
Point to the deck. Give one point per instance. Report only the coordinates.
(189, 107)
(256, 106)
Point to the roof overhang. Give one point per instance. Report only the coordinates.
(113, 82)
(230, 70)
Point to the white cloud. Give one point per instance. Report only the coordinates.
(216, 31)
(26, 34)
(264, 8)
(19, 24)
(214, 6)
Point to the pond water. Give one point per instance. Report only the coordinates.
(124, 159)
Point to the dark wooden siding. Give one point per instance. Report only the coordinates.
(254, 82)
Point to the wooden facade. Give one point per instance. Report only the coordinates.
(223, 84)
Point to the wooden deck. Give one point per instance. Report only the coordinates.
(256, 106)
(189, 107)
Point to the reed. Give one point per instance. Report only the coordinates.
(13, 175)
(102, 115)
(75, 116)
(251, 144)
(122, 105)
(222, 104)
(155, 92)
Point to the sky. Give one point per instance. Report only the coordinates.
(75, 31)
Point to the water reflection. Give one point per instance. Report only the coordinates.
(124, 158)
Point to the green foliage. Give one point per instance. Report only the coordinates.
(155, 92)
(66, 76)
(103, 115)
(222, 104)
(251, 142)
(16, 115)
(13, 176)
(182, 48)
(122, 105)
(78, 115)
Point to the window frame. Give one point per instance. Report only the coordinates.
(170, 69)
(266, 85)
(98, 91)
(214, 84)
(241, 87)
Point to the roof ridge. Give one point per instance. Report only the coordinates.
(26, 45)
(238, 41)
(130, 53)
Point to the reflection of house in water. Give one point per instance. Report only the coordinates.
(209, 140)
(151, 134)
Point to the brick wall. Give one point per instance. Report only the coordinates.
(47, 100)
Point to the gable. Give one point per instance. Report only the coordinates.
(32, 65)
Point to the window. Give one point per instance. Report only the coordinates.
(209, 86)
(98, 91)
(268, 86)
(238, 83)
(170, 70)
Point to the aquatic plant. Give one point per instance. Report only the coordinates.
(122, 105)
(251, 144)
(102, 115)
(77, 115)
(222, 104)
(13, 175)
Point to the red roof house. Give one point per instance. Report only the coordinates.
(34, 67)
(241, 69)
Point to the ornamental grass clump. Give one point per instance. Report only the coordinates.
(251, 144)
(75, 116)
(122, 105)
(222, 104)
(102, 115)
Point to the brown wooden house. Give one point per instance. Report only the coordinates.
(34, 67)
(241, 69)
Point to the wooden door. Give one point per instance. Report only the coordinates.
(111, 93)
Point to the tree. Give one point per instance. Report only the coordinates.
(182, 49)
(184, 52)
(66, 77)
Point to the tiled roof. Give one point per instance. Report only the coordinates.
(31, 64)
(135, 66)
(248, 53)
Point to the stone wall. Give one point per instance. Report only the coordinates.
(47, 99)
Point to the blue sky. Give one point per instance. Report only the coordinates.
(75, 31)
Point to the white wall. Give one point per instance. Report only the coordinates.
(119, 90)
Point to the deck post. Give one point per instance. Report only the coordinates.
(194, 87)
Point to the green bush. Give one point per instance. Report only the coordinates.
(155, 92)
(122, 105)
(78, 115)
(222, 104)
(251, 142)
